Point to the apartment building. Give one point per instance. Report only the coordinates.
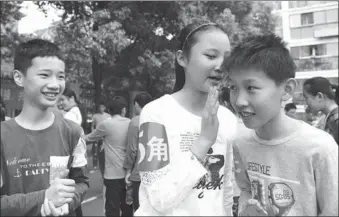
(311, 30)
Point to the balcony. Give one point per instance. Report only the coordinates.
(317, 64)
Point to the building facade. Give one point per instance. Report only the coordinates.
(310, 29)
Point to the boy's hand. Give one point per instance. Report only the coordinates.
(48, 209)
(253, 208)
(61, 191)
(128, 175)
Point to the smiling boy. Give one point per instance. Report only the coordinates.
(42, 155)
(283, 166)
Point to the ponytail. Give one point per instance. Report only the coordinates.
(179, 77)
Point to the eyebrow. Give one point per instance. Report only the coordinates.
(50, 71)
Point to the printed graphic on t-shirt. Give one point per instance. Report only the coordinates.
(186, 140)
(153, 151)
(213, 180)
(275, 194)
(23, 167)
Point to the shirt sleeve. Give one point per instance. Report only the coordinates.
(242, 179)
(132, 145)
(79, 173)
(167, 175)
(99, 132)
(326, 180)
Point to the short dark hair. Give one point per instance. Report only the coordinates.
(142, 99)
(27, 51)
(317, 85)
(290, 106)
(263, 52)
(116, 105)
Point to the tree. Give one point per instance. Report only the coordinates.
(127, 45)
(10, 16)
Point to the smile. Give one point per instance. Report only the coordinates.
(246, 114)
(215, 78)
(51, 94)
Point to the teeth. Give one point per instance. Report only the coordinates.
(245, 114)
(50, 94)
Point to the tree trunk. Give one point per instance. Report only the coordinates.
(97, 73)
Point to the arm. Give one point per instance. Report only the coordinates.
(167, 178)
(326, 180)
(78, 172)
(242, 179)
(97, 134)
(22, 204)
(132, 146)
(93, 123)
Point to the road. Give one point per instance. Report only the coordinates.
(93, 203)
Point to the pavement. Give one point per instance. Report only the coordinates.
(93, 204)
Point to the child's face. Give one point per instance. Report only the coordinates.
(205, 59)
(66, 102)
(255, 97)
(44, 81)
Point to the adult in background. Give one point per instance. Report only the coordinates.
(320, 96)
(113, 132)
(132, 173)
(98, 151)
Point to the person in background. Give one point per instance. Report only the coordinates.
(291, 110)
(69, 102)
(113, 132)
(320, 96)
(97, 149)
(132, 174)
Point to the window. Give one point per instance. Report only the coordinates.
(307, 19)
(292, 4)
(319, 49)
(311, 50)
(301, 4)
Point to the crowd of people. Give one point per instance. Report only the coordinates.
(204, 150)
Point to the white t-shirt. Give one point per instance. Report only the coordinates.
(177, 183)
(293, 176)
(74, 114)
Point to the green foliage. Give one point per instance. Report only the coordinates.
(10, 15)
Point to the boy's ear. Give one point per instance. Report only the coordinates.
(320, 96)
(290, 85)
(180, 57)
(18, 78)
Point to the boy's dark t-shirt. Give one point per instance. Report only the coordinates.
(28, 156)
(331, 125)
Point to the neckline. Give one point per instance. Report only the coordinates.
(275, 142)
(36, 131)
(181, 107)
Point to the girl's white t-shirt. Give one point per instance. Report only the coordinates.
(179, 184)
(74, 114)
